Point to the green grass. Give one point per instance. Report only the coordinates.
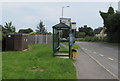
(66, 43)
(37, 63)
(63, 48)
(0, 65)
(73, 47)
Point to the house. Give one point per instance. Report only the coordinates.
(100, 32)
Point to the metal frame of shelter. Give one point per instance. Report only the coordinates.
(57, 30)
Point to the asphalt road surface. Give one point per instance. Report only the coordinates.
(97, 61)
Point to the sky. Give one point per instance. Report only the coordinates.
(28, 14)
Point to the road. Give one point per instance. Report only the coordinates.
(98, 60)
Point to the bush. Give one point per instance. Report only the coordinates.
(32, 33)
(79, 34)
(87, 38)
(94, 39)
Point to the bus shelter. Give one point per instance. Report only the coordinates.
(61, 33)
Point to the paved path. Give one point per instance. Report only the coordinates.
(87, 68)
(92, 64)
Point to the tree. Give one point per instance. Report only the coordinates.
(41, 28)
(8, 28)
(113, 26)
(88, 30)
(112, 23)
(105, 15)
(49, 33)
(0, 32)
(110, 11)
(79, 34)
(26, 31)
(65, 34)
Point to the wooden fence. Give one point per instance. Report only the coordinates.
(40, 39)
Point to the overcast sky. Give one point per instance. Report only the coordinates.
(28, 14)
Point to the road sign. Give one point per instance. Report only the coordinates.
(73, 24)
(71, 39)
(66, 21)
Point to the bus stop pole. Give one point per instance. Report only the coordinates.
(70, 47)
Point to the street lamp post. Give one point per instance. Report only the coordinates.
(63, 8)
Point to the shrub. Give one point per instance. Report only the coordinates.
(32, 33)
(94, 39)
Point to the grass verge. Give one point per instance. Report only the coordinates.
(37, 63)
(73, 47)
(62, 48)
(0, 65)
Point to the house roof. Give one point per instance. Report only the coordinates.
(98, 30)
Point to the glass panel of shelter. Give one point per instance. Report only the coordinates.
(61, 36)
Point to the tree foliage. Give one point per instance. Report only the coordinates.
(87, 30)
(106, 15)
(65, 33)
(113, 27)
(79, 34)
(112, 23)
(49, 33)
(0, 32)
(8, 28)
(26, 31)
(41, 28)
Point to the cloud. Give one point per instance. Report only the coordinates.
(25, 15)
(28, 14)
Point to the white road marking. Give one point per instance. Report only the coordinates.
(83, 48)
(101, 55)
(104, 67)
(110, 58)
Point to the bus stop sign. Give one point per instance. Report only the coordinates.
(71, 39)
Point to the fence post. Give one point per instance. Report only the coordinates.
(35, 39)
(46, 39)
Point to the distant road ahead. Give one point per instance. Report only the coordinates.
(104, 54)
